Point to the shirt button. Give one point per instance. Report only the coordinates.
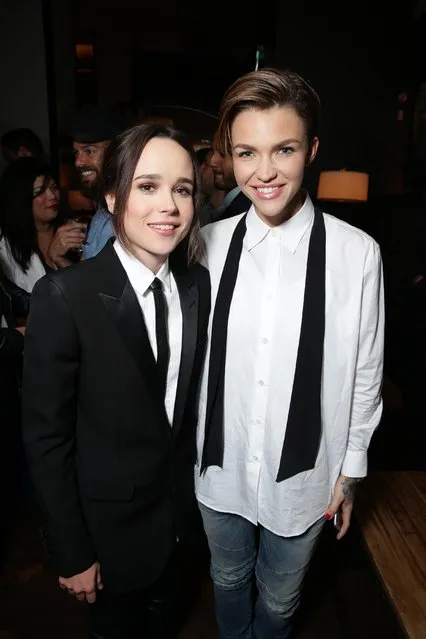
(255, 458)
(261, 382)
(264, 340)
(258, 421)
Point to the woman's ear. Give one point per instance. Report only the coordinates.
(110, 200)
(313, 150)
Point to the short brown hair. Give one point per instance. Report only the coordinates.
(265, 89)
(121, 159)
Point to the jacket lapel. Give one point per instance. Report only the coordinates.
(121, 303)
(188, 293)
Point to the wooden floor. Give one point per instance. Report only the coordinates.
(391, 511)
(342, 598)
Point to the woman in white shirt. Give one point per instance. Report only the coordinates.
(290, 395)
(30, 240)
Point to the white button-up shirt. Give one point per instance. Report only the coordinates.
(141, 278)
(263, 338)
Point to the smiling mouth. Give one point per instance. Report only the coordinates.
(89, 173)
(266, 189)
(164, 227)
(268, 192)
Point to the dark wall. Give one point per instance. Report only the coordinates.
(358, 56)
(23, 77)
(356, 61)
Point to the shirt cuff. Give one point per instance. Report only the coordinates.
(355, 463)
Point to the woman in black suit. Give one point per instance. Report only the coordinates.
(114, 347)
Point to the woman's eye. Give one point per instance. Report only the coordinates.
(245, 154)
(181, 190)
(146, 188)
(286, 150)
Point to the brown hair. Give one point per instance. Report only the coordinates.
(121, 159)
(265, 89)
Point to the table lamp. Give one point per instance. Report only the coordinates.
(343, 186)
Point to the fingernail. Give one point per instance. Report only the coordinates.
(327, 516)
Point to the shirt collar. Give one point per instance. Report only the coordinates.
(102, 210)
(139, 275)
(291, 231)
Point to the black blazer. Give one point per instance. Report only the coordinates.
(240, 204)
(115, 481)
(14, 304)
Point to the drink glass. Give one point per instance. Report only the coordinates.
(83, 218)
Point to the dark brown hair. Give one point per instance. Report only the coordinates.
(17, 223)
(121, 159)
(264, 89)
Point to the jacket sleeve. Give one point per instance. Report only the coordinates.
(11, 344)
(11, 340)
(367, 393)
(50, 381)
(20, 299)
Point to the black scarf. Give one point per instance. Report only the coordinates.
(303, 432)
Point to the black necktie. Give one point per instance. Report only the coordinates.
(303, 432)
(163, 351)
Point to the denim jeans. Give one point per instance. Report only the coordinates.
(239, 551)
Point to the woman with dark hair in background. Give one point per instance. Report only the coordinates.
(114, 348)
(32, 240)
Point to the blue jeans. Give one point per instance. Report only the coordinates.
(240, 550)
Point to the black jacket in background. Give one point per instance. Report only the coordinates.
(14, 304)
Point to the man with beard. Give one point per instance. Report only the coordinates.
(234, 200)
(93, 130)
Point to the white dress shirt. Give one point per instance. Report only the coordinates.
(141, 278)
(263, 338)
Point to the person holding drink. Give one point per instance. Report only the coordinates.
(33, 241)
(92, 131)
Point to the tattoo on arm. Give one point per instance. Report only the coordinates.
(348, 487)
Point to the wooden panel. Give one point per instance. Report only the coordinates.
(391, 510)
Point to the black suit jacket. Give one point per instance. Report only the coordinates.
(14, 304)
(115, 481)
(240, 204)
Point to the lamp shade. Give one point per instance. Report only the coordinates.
(344, 186)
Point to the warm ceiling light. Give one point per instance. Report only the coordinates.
(84, 51)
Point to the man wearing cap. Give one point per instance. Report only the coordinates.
(93, 130)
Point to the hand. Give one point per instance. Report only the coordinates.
(69, 236)
(84, 585)
(343, 502)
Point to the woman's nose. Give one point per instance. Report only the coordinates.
(266, 170)
(167, 204)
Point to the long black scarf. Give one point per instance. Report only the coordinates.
(303, 432)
